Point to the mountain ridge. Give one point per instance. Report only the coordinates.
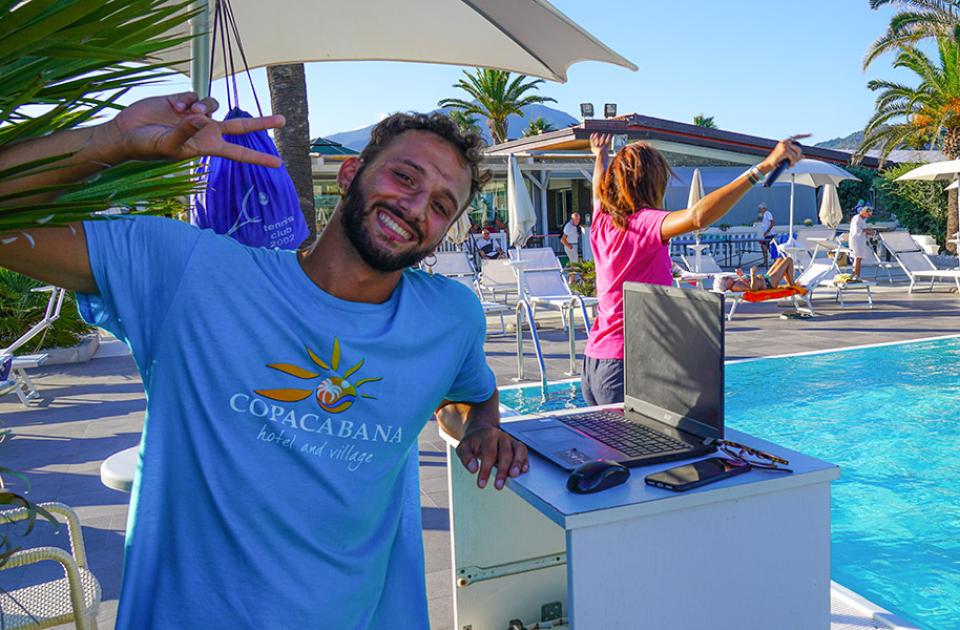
(357, 139)
(850, 142)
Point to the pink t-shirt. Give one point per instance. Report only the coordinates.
(637, 254)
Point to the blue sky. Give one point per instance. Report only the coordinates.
(767, 68)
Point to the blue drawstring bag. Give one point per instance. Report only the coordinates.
(256, 205)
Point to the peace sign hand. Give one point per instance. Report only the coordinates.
(180, 127)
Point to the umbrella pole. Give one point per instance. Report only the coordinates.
(200, 49)
(698, 252)
(793, 181)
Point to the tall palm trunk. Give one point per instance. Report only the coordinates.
(951, 148)
(498, 130)
(288, 96)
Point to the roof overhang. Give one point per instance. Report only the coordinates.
(666, 135)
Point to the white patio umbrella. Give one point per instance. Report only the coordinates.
(522, 218)
(530, 36)
(949, 170)
(813, 173)
(831, 213)
(696, 194)
(459, 230)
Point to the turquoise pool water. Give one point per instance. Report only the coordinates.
(890, 418)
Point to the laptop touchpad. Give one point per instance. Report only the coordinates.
(558, 436)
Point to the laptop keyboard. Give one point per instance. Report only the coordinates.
(630, 438)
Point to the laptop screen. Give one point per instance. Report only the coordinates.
(673, 356)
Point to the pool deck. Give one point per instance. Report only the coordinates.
(95, 409)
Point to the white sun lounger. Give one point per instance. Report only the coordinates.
(545, 283)
(537, 258)
(496, 277)
(915, 262)
(811, 239)
(19, 382)
(457, 267)
(811, 278)
(709, 269)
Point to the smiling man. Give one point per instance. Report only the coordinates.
(278, 484)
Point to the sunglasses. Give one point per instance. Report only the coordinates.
(743, 455)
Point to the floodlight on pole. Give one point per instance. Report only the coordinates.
(586, 110)
(610, 110)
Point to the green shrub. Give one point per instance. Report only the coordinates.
(921, 207)
(21, 308)
(852, 191)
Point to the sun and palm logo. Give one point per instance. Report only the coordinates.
(335, 394)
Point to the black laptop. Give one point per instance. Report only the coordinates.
(673, 387)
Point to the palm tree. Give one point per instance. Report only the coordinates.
(288, 96)
(707, 122)
(537, 126)
(464, 121)
(925, 115)
(65, 63)
(922, 19)
(496, 94)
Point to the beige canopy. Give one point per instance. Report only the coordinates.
(526, 36)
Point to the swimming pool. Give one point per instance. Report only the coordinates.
(889, 416)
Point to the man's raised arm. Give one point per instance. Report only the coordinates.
(172, 128)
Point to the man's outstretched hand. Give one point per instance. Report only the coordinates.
(485, 447)
(179, 127)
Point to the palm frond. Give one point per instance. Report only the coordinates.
(496, 94)
(63, 64)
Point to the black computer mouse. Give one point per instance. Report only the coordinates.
(597, 475)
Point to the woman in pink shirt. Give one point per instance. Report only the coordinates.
(629, 237)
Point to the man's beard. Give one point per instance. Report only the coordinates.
(352, 214)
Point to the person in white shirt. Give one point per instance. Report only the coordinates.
(487, 247)
(571, 237)
(858, 236)
(765, 228)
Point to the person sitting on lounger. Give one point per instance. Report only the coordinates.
(780, 270)
(487, 247)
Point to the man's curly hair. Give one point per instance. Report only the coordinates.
(469, 145)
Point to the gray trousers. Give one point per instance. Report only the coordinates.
(602, 381)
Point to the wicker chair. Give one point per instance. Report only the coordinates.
(73, 598)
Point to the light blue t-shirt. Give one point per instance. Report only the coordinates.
(278, 484)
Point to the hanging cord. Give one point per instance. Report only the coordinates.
(232, 71)
(236, 33)
(220, 31)
(226, 32)
(213, 47)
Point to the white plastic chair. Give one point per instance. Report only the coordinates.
(75, 598)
